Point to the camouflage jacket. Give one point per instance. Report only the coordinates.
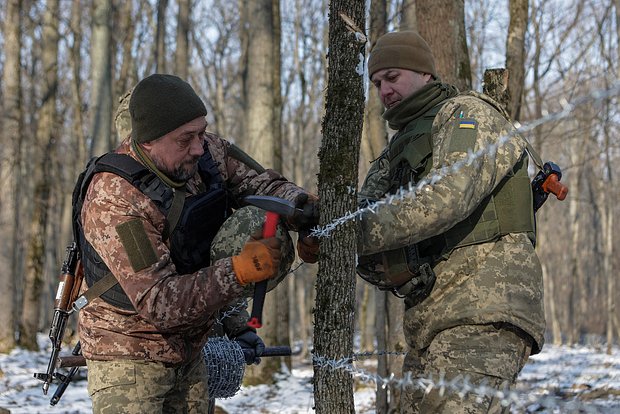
(499, 281)
(173, 312)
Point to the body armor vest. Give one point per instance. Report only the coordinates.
(191, 223)
(408, 271)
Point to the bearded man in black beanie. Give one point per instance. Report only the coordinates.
(460, 250)
(146, 216)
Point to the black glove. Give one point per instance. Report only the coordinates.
(308, 247)
(309, 216)
(251, 345)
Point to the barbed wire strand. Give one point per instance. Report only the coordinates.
(411, 191)
(523, 400)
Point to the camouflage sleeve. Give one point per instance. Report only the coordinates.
(114, 208)
(377, 182)
(244, 180)
(464, 125)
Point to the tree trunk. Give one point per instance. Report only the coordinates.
(339, 156)
(264, 140)
(101, 93)
(576, 275)
(12, 125)
(381, 399)
(549, 285)
(127, 77)
(259, 83)
(397, 343)
(608, 271)
(299, 169)
(375, 138)
(181, 57)
(366, 320)
(46, 139)
(75, 148)
(79, 146)
(609, 229)
(552, 293)
(374, 132)
(442, 24)
(408, 20)
(160, 37)
(282, 305)
(515, 55)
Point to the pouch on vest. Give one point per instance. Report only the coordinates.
(400, 271)
(202, 217)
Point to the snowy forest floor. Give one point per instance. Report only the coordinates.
(558, 380)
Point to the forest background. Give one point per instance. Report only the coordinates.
(261, 68)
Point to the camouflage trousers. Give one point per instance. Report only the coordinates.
(135, 386)
(490, 355)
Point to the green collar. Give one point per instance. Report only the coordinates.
(418, 103)
(148, 162)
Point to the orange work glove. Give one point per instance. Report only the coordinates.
(308, 248)
(259, 259)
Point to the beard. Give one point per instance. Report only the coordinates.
(183, 172)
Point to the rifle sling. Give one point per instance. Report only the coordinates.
(96, 290)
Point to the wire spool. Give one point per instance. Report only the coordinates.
(225, 365)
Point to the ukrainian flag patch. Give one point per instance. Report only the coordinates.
(467, 124)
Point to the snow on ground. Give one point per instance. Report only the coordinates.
(559, 380)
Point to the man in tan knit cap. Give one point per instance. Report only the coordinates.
(460, 251)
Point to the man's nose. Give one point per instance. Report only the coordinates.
(386, 90)
(197, 146)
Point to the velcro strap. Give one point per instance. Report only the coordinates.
(137, 244)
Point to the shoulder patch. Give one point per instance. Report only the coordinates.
(139, 248)
(463, 137)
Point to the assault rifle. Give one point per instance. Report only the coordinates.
(68, 289)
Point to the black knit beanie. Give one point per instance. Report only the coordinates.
(403, 50)
(160, 104)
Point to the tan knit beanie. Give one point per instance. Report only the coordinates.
(403, 50)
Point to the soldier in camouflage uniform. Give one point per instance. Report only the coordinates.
(143, 337)
(460, 251)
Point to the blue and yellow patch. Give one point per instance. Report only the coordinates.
(463, 137)
(467, 124)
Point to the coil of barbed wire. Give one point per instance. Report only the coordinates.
(225, 363)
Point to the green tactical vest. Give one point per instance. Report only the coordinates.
(509, 209)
